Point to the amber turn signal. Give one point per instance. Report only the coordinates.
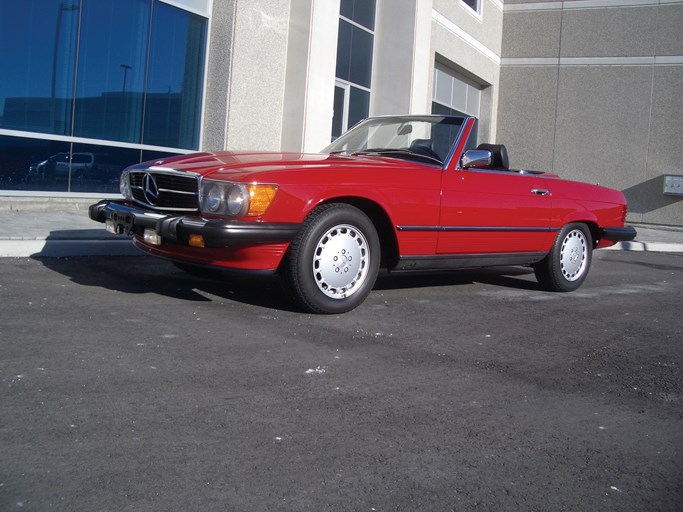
(196, 241)
(260, 197)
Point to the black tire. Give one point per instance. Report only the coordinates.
(332, 264)
(566, 266)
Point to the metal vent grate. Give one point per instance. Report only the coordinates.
(165, 190)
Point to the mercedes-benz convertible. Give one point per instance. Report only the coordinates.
(403, 193)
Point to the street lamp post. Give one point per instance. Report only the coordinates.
(125, 67)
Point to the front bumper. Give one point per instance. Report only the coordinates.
(122, 218)
(625, 234)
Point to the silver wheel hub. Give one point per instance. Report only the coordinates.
(341, 261)
(573, 255)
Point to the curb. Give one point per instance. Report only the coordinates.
(636, 246)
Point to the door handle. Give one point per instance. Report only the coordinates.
(541, 191)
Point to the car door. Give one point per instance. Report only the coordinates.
(489, 211)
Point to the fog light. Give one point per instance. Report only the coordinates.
(109, 227)
(152, 237)
(196, 241)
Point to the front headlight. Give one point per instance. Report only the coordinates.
(213, 198)
(235, 199)
(124, 185)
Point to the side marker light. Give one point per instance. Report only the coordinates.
(196, 241)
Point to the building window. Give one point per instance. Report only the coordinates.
(112, 62)
(359, 11)
(354, 64)
(176, 72)
(38, 56)
(111, 71)
(454, 93)
(474, 5)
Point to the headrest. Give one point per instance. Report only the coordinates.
(499, 155)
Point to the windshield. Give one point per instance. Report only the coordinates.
(423, 138)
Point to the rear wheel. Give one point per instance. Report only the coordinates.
(333, 263)
(566, 266)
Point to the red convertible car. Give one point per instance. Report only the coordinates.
(405, 193)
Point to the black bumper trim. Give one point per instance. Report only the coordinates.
(625, 234)
(178, 228)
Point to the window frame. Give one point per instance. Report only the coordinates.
(469, 84)
(478, 12)
(346, 85)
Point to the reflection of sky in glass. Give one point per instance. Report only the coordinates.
(168, 45)
(174, 92)
(114, 48)
(140, 69)
(114, 34)
(37, 48)
(111, 69)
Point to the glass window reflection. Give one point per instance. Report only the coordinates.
(97, 168)
(338, 117)
(360, 11)
(359, 105)
(176, 70)
(354, 54)
(111, 70)
(38, 56)
(30, 164)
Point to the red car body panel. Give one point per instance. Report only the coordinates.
(257, 257)
(408, 192)
(491, 199)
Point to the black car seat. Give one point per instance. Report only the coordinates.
(424, 147)
(499, 155)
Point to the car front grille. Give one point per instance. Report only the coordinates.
(165, 190)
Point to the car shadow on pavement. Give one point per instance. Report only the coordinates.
(148, 275)
(508, 277)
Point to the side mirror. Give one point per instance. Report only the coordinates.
(476, 159)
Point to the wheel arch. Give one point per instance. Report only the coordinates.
(592, 228)
(591, 222)
(382, 222)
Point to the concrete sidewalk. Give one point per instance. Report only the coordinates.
(63, 229)
(58, 235)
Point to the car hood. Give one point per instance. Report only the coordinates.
(241, 166)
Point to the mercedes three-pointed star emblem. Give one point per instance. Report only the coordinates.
(150, 189)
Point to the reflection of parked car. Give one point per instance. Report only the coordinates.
(82, 166)
(77, 166)
(404, 192)
(45, 170)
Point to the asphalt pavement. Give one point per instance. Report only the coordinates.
(128, 385)
(131, 385)
(60, 227)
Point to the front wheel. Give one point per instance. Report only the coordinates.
(333, 262)
(566, 266)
